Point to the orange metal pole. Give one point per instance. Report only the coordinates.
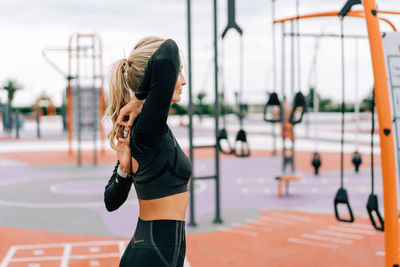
(102, 104)
(354, 14)
(388, 12)
(69, 98)
(385, 134)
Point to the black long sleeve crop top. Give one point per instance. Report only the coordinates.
(164, 169)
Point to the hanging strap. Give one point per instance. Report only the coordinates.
(372, 204)
(273, 100)
(341, 195)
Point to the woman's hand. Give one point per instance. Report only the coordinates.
(129, 112)
(124, 152)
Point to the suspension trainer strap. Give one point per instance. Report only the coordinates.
(343, 105)
(372, 204)
(341, 195)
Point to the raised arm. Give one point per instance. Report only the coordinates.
(157, 87)
(117, 190)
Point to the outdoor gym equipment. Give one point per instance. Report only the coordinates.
(241, 146)
(216, 175)
(356, 159)
(84, 96)
(272, 108)
(372, 204)
(341, 195)
(316, 160)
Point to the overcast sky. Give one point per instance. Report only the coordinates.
(27, 27)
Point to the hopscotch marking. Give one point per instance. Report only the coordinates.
(66, 255)
(94, 247)
(8, 257)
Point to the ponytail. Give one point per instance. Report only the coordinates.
(119, 96)
(125, 77)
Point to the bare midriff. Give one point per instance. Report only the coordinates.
(166, 208)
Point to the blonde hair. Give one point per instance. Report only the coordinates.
(126, 75)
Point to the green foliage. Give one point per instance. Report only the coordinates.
(11, 86)
(178, 109)
(366, 103)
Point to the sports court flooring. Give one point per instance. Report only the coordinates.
(52, 213)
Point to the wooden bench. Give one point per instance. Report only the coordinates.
(285, 179)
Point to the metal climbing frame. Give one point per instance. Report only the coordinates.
(85, 49)
(217, 218)
(370, 14)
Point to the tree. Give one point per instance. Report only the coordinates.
(11, 86)
(200, 107)
(366, 103)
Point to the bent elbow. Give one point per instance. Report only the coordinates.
(110, 208)
(110, 205)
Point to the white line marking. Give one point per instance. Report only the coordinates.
(186, 263)
(266, 218)
(269, 224)
(76, 244)
(56, 205)
(65, 256)
(94, 249)
(253, 190)
(351, 230)
(38, 252)
(358, 225)
(121, 247)
(329, 239)
(94, 263)
(238, 231)
(27, 259)
(250, 227)
(8, 257)
(307, 242)
(106, 255)
(291, 216)
(72, 257)
(380, 253)
(339, 234)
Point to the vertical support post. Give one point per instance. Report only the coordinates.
(101, 96)
(64, 112)
(96, 104)
(17, 123)
(292, 74)
(216, 115)
(356, 85)
(284, 102)
(69, 97)
(273, 72)
(192, 221)
(38, 121)
(385, 134)
(78, 94)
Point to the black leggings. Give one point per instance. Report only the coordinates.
(158, 243)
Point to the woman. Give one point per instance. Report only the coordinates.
(148, 153)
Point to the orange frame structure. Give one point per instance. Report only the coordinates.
(69, 90)
(370, 14)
